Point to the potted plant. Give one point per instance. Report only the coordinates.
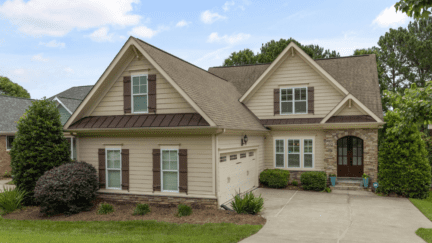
(365, 180)
(333, 179)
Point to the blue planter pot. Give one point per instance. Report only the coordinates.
(333, 181)
(365, 182)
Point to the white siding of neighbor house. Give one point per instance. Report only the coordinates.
(318, 153)
(200, 174)
(168, 100)
(294, 71)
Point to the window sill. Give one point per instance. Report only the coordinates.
(299, 169)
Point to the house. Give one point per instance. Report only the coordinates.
(159, 129)
(12, 108)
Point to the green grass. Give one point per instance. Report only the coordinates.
(126, 231)
(425, 206)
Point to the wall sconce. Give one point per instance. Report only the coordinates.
(244, 140)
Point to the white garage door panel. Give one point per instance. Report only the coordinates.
(237, 174)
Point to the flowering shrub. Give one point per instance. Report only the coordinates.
(69, 188)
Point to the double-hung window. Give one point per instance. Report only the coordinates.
(113, 168)
(280, 153)
(299, 153)
(308, 153)
(170, 173)
(139, 94)
(293, 153)
(9, 141)
(293, 101)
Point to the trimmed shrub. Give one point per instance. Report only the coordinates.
(294, 183)
(247, 204)
(314, 180)
(39, 146)
(184, 210)
(142, 209)
(68, 189)
(11, 199)
(404, 168)
(275, 178)
(105, 208)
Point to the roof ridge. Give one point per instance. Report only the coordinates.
(242, 65)
(343, 57)
(67, 98)
(16, 97)
(178, 58)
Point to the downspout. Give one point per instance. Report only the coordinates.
(216, 162)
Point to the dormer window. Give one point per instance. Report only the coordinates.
(139, 94)
(293, 101)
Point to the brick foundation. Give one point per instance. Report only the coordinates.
(160, 201)
(4, 157)
(370, 150)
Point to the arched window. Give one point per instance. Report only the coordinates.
(350, 157)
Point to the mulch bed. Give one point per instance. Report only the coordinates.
(289, 187)
(124, 211)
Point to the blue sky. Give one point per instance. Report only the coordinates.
(48, 46)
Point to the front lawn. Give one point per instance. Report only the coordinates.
(121, 231)
(425, 206)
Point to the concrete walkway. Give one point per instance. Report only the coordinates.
(3, 183)
(337, 217)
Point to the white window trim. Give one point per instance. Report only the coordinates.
(7, 143)
(313, 154)
(162, 170)
(293, 100)
(284, 152)
(71, 146)
(299, 153)
(132, 94)
(106, 168)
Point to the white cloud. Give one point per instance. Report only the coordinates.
(39, 58)
(68, 70)
(57, 18)
(182, 23)
(228, 5)
(143, 32)
(18, 71)
(232, 39)
(53, 44)
(101, 35)
(208, 17)
(389, 17)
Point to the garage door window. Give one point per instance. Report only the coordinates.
(170, 178)
(280, 153)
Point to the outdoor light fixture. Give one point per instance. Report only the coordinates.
(244, 140)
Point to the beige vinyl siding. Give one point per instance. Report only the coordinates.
(353, 111)
(200, 176)
(168, 100)
(294, 72)
(318, 153)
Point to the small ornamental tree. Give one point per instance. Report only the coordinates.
(39, 146)
(403, 164)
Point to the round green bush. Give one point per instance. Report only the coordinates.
(142, 209)
(275, 178)
(314, 180)
(69, 188)
(404, 168)
(294, 183)
(184, 210)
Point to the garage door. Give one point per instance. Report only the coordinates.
(237, 172)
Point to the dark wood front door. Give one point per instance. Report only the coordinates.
(350, 157)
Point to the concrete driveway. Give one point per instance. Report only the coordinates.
(340, 216)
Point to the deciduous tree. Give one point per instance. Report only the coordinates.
(415, 8)
(9, 88)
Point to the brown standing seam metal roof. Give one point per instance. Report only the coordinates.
(343, 119)
(333, 119)
(129, 121)
(357, 74)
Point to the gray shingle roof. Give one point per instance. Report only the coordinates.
(73, 97)
(11, 109)
(215, 96)
(357, 74)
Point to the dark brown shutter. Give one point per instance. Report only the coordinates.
(310, 100)
(183, 187)
(101, 168)
(156, 170)
(127, 94)
(125, 169)
(276, 101)
(152, 92)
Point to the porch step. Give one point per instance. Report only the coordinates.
(348, 183)
(348, 188)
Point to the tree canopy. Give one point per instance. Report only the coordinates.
(9, 88)
(415, 8)
(270, 50)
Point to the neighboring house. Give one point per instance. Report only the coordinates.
(160, 129)
(12, 108)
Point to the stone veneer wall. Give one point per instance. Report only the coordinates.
(4, 157)
(160, 201)
(370, 150)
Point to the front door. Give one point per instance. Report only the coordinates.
(350, 157)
